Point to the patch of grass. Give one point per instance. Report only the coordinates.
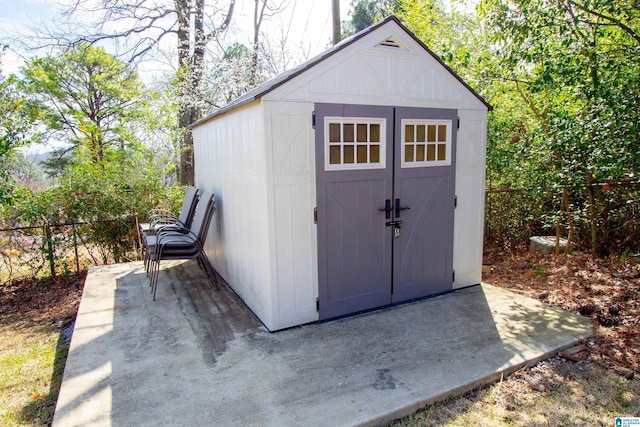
(540, 270)
(31, 367)
(554, 393)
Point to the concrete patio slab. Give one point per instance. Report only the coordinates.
(198, 356)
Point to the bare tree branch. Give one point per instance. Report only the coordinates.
(225, 24)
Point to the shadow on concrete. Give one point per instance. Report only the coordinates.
(198, 356)
(126, 342)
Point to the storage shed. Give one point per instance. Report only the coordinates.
(351, 182)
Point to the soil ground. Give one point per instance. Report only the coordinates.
(606, 290)
(53, 301)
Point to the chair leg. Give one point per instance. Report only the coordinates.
(156, 270)
(155, 279)
(148, 263)
(147, 260)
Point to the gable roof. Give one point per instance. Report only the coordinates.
(268, 86)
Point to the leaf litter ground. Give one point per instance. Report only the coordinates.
(589, 386)
(605, 290)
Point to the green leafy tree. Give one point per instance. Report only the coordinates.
(17, 117)
(106, 197)
(140, 28)
(576, 68)
(451, 32)
(564, 80)
(17, 128)
(92, 101)
(98, 106)
(58, 161)
(26, 170)
(365, 13)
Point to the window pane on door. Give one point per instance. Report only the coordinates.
(334, 132)
(334, 155)
(374, 132)
(408, 153)
(408, 133)
(348, 132)
(375, 154)
(431, 152)
(432, 133)
(426, 143)
(354, 143)
(362, 132)
(362, 154)
(348, 153)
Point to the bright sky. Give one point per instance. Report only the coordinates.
(309, 22)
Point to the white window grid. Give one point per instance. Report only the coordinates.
(344, 145)
(417, 141)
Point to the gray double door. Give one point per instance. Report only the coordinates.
(385, 205)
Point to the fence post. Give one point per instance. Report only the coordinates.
(75, 248)
(139, 251)
(47, 232)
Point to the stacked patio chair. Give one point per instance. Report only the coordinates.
(183, 243)
(158, 219)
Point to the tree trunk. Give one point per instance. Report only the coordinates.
(592, 215)
(258, 15)
(569, 218)
(187, 176)
(337, 33)
(605, 220)
(593, 67)
(565, 208)
(185, 140)
(191, 63)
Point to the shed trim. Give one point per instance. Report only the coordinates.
(270, 85)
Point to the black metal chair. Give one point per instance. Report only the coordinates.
(176, 244)
(158, 219)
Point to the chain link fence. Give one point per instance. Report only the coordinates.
(49, 249)
(512, 216)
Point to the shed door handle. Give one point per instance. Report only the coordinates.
(387, 209)
(400, 208)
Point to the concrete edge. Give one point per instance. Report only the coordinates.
(419, 405)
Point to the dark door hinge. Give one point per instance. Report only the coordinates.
(455, 202)
(313, 119)
(453, 276)
(315, 215)
(318, 305)
(458, 122)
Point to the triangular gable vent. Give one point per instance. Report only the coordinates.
(391, 43)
